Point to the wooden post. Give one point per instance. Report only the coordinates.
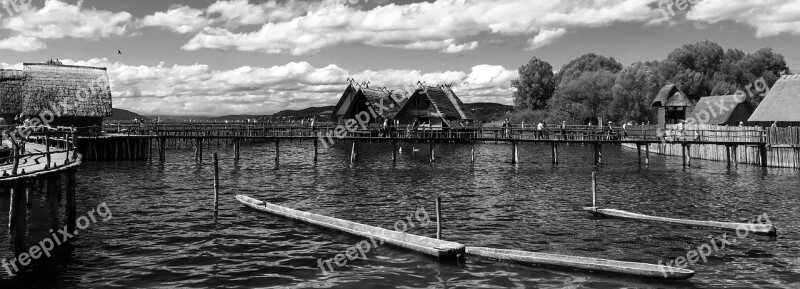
(71, 211)
(316, 150)
(74, 145)
(735, 153)
(728, 155)
(16, 158)
(47, 150)
(52, 200)
(514, 153)
(762, 151)
(683, 154)
(394, 151)
(216, 185)
(235, 149)
(639, 153)
(594, 190)
(647, 154)
(689, 155)
(277, 150)
(19, 217)
(554, 152)
(439, 218)
(472, 149)
(599, 153)
(200, 154)
(433, 152)
(354, 152)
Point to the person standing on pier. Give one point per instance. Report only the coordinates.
(564, 130)
(540, 130)
(610, 130)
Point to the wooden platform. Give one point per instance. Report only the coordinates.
(34, 163)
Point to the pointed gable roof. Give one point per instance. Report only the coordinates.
(671, 95)
(443, 99)
(781, 103)
(709, 109)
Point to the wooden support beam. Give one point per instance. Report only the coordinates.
(683, 154)
(689, 155)
(20, 218)
(432, 151)
(647, 154)
(762, 152)
(639, 153)
(554, 152)
(472, 149)
(514, 152)
(354, 152)
(216, 185)
(71, 206)
(236, 149)
(394, 151)
(277, 150)
(728, 155)
(52, 201)
(316, 150)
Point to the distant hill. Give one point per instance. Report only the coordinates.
(487, 111)
(306, 112)
(121, 114)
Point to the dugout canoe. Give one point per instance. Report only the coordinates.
(760, 229)
(443, 250)
(584, 263)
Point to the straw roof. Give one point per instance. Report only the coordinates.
(444, 101)
(670, 95)
(344, 102)
(380, 100)
(11, 85)
(75, 91)
(781, 103)
(709, 110)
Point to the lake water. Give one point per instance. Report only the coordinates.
(163, 234)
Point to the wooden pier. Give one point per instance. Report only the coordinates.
(40, 158)
(773, 147)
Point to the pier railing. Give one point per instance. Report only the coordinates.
(54, 141)
(672, 133)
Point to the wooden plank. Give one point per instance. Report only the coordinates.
(762, 229)
(584, 263)
(430, 246)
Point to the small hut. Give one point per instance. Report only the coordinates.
(364, 99)
(673, 105)
(781, 104)
(722, 110)
(11, 94)
(78, 96)
(437, 106)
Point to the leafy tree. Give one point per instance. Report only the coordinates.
(634, 90)
(584, 98)
(535, 85)
(584, 63)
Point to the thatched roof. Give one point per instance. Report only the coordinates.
(77, 91)
(11, 85)
(670, 95)
(781, 103)
(344, 102)
(380, 100)
(709, 110)
(444, 101)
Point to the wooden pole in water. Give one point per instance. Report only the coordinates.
(47, 149)
(728, 155)
(236, 149)
(394, 151)
(683, 154)
(553, 152)
(689, 155)
(647, 154)
(594, 190)
(433, 152)
(20, 217)
(52, 201)
(216, 185)
(71, 215)
(439, 218)
(473, 152)
(277, 150)
(200, 156)
(316, 150)
(639, 153)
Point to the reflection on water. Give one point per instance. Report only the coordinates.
(163, 232)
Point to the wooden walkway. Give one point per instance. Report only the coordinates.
(34, 162)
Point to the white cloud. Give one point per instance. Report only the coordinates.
(58, 20)
(426, 25)
(180, 19)
(22, 43)
(768, 17)
(198, 89)
(545, 37)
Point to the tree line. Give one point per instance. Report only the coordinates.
(593, 86)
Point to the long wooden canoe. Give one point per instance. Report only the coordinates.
(430, 246)
(584, 263)
(762, 229)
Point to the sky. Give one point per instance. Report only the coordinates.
(221, 57)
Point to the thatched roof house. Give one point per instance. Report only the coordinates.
(437, 106)
(11, 86)
(673, 105)
(781, 104)
(363, 99)
(77, 95)
(721, 110)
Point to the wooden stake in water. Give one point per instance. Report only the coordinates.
(439, 218)
(594, 190)
(216, 185)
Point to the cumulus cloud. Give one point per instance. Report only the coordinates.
(180, 19)
(435, 25)
(198, 89)
(545, 37)
(22, 43)
(58, 19)
(768, 17)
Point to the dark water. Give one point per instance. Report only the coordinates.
(163, 234)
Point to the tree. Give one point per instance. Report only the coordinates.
(585, 97)
(584, 63)
(535, 85)
(692, 67)
(634, 90)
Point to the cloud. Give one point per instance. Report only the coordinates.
(22, 43)
(57, 20)
(198, 89)
(545, 37)
(180, 19)
(437, 25)
(768, 17)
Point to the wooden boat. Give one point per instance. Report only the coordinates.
(762, 229)
(430, 246)
(584, 263)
